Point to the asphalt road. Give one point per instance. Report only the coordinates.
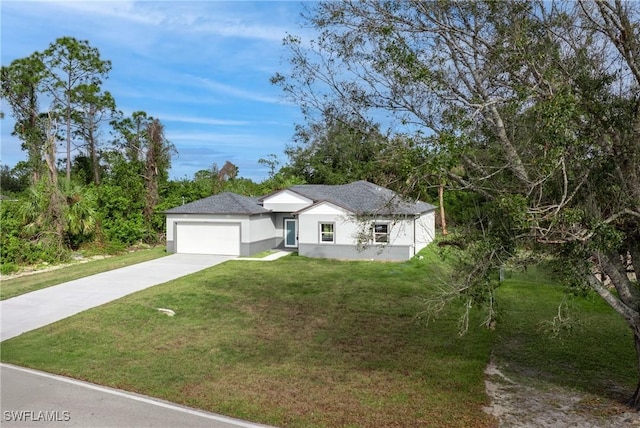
(30, 398)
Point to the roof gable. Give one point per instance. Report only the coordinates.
(324, 207)
(286, 196)
(285, 201)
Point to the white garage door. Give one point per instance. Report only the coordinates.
(208, 238)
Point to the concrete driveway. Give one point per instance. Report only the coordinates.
(39, 308)
(31, 398)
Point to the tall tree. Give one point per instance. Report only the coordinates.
(272, 162)
(23, 83)
(538, 103)
(72, 67)
(142, 141)
(21, 87)
(157, 162)
(130, 134)
(335, 150)
(93, 108)
(44, 211)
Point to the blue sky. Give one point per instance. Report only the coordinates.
(201, 67)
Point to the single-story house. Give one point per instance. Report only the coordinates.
(358, 220)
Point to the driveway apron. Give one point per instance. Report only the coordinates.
(39, 308)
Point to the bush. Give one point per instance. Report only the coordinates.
(7, 268)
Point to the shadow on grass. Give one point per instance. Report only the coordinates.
(589, 347)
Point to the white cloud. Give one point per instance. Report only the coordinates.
(222, 139)
(237, 92)
(201, 120)
(204, 17)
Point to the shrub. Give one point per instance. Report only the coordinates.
(7, 268)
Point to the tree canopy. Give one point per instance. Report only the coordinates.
(532, 106)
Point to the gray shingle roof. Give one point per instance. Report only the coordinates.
(362, 197)
(222, 203)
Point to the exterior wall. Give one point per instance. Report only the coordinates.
(256, 247)
(262, 233)
(261, 227)
(350, 252)
(347, 229)
(256, 232)
(425, 227)
(308, 225)
(286, 201)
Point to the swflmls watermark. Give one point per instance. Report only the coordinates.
(36, 416)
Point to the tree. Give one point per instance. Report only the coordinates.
(157, 163)
(536, 104)
(93, 108)
(272, 162)
(13, 180)
(22, 83)
(121, 201)
(142, 142)
(20, 87)
(335, 150)
(74, 72)
(130, 134)
(228, 172)
(220, 177)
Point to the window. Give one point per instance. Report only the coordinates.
(327, 233)
(380, 233)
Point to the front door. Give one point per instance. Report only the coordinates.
(290, 233)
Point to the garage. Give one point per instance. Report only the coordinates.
(208, 238)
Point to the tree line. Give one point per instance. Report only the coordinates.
(93, 177)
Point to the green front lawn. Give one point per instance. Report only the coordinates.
(295, 342)
(309, 342)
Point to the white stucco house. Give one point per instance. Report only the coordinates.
(351, 221)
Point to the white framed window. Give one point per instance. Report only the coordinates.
(327, 233)
(380, 233)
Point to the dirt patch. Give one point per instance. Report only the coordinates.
(32, 270)
(515, 404)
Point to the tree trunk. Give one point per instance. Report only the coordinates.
(93, 152)
(635, 399)
(443, 221)
(96, 166)
(68, 123)
(624, 300)
(56, 200)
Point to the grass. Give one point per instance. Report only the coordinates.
(260, 255)
(592, 350)
(24, 284)
(294, 342)
(319, 343)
